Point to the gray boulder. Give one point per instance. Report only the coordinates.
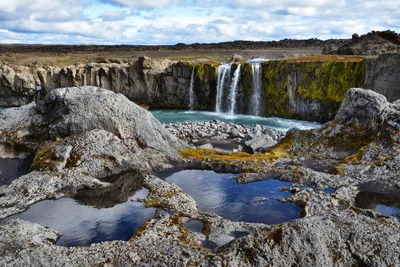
(361, 107)
(79, 109)
(261, 144)
(207, 146)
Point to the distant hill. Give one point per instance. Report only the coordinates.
(372, 43)
(235, 45)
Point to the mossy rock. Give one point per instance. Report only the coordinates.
(324, 82)
(44, 160)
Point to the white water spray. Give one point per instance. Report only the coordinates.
(191, 91)
(224, 71)
(257, 89)
(233, 91)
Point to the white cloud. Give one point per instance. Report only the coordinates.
(303, 11)
(113, 16)
(147, 4)
(189, 21)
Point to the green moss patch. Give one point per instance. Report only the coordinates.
(324, 82)
(44, 160)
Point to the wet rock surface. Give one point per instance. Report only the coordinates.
(361, 145)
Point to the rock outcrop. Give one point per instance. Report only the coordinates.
(71, 111)
(78, 136)
(362, 108)
(383, 75)
(372, 43)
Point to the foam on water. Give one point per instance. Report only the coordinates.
(171, 116)
(257, 60)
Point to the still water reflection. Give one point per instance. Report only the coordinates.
(219, 193)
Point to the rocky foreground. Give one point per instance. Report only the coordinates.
(81, 136)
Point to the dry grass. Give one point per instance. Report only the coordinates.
(324, 58)
(56, 58)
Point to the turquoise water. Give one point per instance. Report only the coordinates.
(171, 116)
(2, 108)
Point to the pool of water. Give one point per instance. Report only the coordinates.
(11, 169)
(385, 204)
(219, 193)
(2, 108)
(171, 116)
(82, 225)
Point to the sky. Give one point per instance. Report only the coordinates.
(165, 22)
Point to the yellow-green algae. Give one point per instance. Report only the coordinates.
(253, 162)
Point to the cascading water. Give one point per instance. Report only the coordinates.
(233, 91)
(224, 71)
(256, 98)
(191, 91)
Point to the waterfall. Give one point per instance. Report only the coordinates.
(224, 71)
(257, 84)
(191, 91)
(233, 91)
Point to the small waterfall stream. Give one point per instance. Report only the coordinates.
(191, 91)
(257, 89)
(224, 72)
(233, 90)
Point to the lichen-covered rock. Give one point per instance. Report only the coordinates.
(75, 110)
(361, 107)
(340, 238)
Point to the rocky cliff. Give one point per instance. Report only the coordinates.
(311, 88)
